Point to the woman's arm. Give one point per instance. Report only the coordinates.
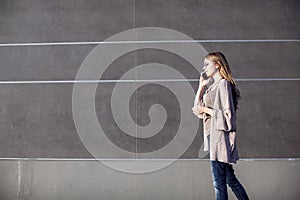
(199, 95)
(208, 111)
(197, 100)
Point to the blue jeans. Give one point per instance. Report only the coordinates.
(222, 174)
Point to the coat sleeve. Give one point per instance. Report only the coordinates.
(224, 115)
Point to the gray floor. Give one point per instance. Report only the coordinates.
(184, 179)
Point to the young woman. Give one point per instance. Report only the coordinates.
(217, 107)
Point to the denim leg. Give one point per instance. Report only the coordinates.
(234, 184)
(219, 179)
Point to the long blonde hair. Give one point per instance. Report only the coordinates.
(219, 59)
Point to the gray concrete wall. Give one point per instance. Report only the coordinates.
(36, 119)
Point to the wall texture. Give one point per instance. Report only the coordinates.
(44, 43)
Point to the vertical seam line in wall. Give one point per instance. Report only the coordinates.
(19, 173)
(135, 85)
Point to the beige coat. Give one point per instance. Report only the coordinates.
(221, 137)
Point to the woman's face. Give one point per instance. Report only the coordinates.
(209, 67)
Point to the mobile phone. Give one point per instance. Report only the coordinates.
(203, 74)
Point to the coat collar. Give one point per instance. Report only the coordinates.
(214, 83)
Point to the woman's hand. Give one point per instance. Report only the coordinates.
(197, 110)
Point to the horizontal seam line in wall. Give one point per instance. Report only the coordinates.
(142, 42)
(129, 159)
(141, 80)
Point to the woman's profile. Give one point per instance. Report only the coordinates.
(217, 107)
